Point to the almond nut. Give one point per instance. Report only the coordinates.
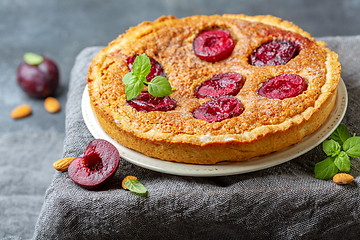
(21, 111)
(52, 105)
(62, 165)
(125, 179)
(343, 178)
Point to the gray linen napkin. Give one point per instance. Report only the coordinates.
(282, 202)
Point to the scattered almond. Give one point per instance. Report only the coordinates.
(52, 105)
(21, 111)
(343, 178)
(125, 179)
(62, 165)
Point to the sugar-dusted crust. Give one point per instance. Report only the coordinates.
(265, 126)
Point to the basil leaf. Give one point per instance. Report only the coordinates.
(340, 134)
(136, 186)
(141, 65)
(342, 162)
(129, 77)
(331, 148)
(159, 87)
(33, 59)
(325, 169)
(352, 147)
(133, 89)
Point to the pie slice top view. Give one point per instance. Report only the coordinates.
(243, 86)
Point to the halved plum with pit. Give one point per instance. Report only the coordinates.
(219, 109)
(220, 85)
(146, 102)
(213, 45)
(283, 86)
(277, 52)
(155, 70)
(98, 164)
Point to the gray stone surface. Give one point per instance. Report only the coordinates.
(60, 30)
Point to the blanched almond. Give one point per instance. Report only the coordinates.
(21, 111)
(52, 105)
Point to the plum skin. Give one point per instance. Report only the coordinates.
(38, 81)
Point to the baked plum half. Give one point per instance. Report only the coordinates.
(146, 102)
(219, 109)
(277, 52)
(220, 85)
(213, 45)
(283, 86)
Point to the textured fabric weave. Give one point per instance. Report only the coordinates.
(282, 202)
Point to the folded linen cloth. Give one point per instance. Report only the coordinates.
(282, 202)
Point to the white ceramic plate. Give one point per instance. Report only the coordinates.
(224, 168)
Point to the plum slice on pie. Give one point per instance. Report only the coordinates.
(277, 52)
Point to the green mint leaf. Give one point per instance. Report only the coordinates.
(136, 187)
(141, 65)
(133, 88)
(342, 162)
(135, 80)
(33, 59)
(352, 147)
(129, 78)
(340, 134)
(325, 169)
(159, 87)
(143, 79)
(331, 148)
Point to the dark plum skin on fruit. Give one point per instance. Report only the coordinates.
(220, 85)
(277, 52)
(219, 109)
(38, 81)
(155, 70)
(98, 164)
(146, 102)
(213, 45)
(283, 86)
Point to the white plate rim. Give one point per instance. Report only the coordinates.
(225, 168)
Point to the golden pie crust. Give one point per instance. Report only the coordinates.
(265, 126)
